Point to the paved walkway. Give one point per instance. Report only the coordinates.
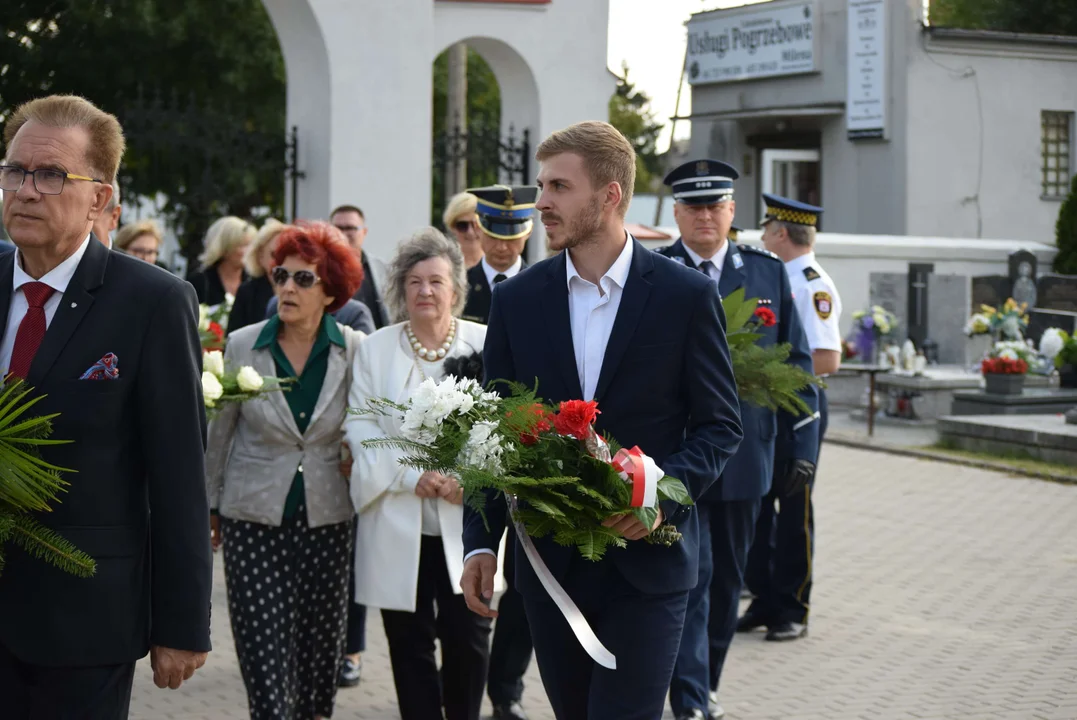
(941, 592)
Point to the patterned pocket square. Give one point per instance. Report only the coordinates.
(107, 368)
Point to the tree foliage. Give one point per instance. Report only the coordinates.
(218, 65)
(1047, 17)
(631, 113)
(1066, 233)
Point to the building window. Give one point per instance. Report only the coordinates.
(1056, 152)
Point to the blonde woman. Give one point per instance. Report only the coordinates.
(141, 240)
(222, 270)
(463, 224)
(254, 295)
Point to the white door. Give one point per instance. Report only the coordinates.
(792, 173)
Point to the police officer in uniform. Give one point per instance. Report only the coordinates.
(780, 564)
(703, 191)
(505, 219)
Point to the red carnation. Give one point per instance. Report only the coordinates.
(539, 422)
(766, 316)
(217, 330)
(1004, 366)
(575, 418)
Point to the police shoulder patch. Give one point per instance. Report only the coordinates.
(823, 304)
(811, 273)
(758, 251)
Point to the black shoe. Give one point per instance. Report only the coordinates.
(750, 621)
(784, 632)
(350, 673)
(693, 714)
(512, 711)
(715, 712)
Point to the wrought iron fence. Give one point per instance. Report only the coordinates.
(489, 157)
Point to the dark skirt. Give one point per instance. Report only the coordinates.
(287, 600)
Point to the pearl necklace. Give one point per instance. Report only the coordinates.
(431, 355)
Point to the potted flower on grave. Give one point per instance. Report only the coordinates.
(1061, 347)
(870, 328)
(990, 324)
(1005, 367)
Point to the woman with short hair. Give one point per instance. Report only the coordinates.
(254, 295)
(221, 271)
(140, 239)
(462, 222)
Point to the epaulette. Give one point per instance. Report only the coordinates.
(811, 273)
(759, 251)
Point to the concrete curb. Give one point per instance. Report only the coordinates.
(925, 454)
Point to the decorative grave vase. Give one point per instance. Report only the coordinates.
(1004, 383)
(976, 347)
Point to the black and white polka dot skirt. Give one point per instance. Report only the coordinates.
(288, 602)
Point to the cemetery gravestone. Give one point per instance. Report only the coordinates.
(891, 291)
(990, 290)
(1040, 319)
(948, 313)
(1023, 277)
(1057, 292)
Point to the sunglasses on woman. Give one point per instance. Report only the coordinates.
(303, 278)
(462, 226)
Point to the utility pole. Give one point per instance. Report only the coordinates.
(456, 121)
(672, 128)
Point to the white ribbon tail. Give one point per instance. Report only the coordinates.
(653, 474)
(564, 603)
(807, 421)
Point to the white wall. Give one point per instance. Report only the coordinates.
(973, 159)
(360, 90)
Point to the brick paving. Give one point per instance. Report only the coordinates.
(941, 592)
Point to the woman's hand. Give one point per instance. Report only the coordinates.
(429, 485)
(215, 531)
(451, 491)
(346, 461)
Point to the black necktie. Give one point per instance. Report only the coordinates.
(706, 266)
(499, 277)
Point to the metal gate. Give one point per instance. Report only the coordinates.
(490, 159)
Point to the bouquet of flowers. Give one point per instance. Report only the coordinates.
(29, 484)
(221, 386)
(213, 323)
(870, 327)
(565, 479)
(764, 378)
(1009, 322)
(1008, 357)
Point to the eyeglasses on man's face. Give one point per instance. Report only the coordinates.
(47, 181)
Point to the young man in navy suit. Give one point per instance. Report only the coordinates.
(703, 192)
(608, 320)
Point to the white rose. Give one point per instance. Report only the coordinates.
(213, 362)
(203, 318)
(211, 388)
(1008, 354)
(249, 380)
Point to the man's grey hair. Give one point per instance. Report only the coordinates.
(425, 244)
(801, 235)
(115, 199)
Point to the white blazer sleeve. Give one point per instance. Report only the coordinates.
(375, 471)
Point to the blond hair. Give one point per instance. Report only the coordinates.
(132, 231)
(461, 204)
(223, 236)
(607, 155)
(269, 231)
(105, 149)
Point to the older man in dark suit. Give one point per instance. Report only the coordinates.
(137, 504)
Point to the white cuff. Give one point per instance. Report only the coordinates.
(480, 551)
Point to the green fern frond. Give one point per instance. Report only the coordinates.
(46, 544)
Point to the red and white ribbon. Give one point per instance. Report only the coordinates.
(642, 472)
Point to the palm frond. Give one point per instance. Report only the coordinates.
(46, 544)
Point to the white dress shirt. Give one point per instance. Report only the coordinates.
(491, 273)
(718, 259)
(817, 301)
(592, 310)
(57, 279)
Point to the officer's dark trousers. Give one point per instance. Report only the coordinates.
(355, 639)
(510, 652)
(780, 564)
(725, 534)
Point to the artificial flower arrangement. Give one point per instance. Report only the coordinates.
(1010, 321)
(878, 320)
(1008, 357)
(29, 484)
(221, 385)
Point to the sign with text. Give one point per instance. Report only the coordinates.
(755, 41)
(865, 91)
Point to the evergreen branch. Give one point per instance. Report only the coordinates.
(46, 544)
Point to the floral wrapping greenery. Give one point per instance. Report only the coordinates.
(221, 385)
(213, 323)
(29, 484)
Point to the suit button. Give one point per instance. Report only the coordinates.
(301, 468)
(302, 415)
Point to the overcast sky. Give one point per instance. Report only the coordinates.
(650, 36)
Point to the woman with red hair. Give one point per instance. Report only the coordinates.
(280, 504)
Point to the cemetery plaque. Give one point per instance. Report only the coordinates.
(891, 291)
(990, 290)
(1058, 292)
(1023, 277)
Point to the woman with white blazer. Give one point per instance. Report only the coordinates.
(409, 550)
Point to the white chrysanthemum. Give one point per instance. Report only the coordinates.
(213, 362)
(1051, 343)
(483, 448)
(211, 388)
(1008, 354)
(249, 380)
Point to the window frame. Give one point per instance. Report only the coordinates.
(1059, 189)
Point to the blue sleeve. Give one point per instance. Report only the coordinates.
(497, 365)
(803, 429)
(714, 428)
(271, 307)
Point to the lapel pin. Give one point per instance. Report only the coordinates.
(74, 305)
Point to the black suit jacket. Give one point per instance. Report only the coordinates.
(250, 305)
(666, 384)
(137, 503)
(477, 308)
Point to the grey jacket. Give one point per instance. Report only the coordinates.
(255, 447)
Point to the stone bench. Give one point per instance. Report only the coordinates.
(1043, 437)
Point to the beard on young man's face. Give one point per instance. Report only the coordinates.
(580, 230)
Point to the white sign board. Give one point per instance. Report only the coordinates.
(865, 93)
(779, 38)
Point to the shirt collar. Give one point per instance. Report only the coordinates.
(491, 273)
(718, 258)
(272, 328)
(799, 263)
(618, 272)
(59, 277)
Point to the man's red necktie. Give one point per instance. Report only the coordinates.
(31, 329)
